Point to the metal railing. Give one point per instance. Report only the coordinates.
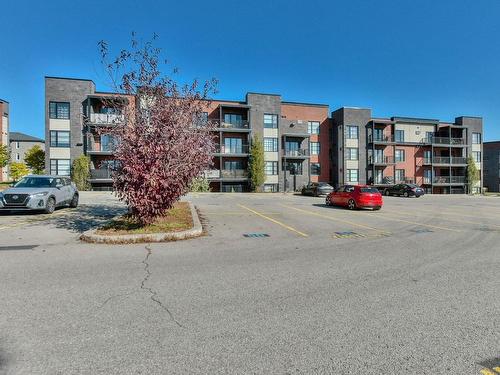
(229, 125)
(448, 180)
(384, 180)
(296, 153)
(97, 146)
(380, 159)
(449, 160)
(447, 141)
(106, 118)
(380, 138)
(223, 149)
(234, 173)
(100, 174)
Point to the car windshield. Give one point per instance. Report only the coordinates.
(369, 190)
(35, 182)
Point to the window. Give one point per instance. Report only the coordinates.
(314, 148)
(18, 157)
(59, 110)
(400, 136)
(352, 175)
(60, 167)
(399, 155)
(270, 188)
(476, 138)
(271, 144)
(232, 118)
(270, 121)
(429, 136)
(271, 168)
(400, 175)
(17, 145)
(477, 156)
(233, 146)
(233, 164)
(293, 167)
(351, 153)
(315, 169)
(313, 127)
(59, 138)
(352, 132)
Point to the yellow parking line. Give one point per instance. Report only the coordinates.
(497, 369)
(487, 371)
(384, 216)
(274, 221)
(454, 220)
(334, 218)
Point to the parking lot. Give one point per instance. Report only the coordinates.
(279, 284)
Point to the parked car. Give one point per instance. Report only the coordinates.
(406, 190)
(317, 188)
(355, 196)
(43, 193)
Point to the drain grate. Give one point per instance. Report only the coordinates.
(255, 235)
(19, 247)
(425, 230)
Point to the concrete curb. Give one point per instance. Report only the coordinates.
(196, 231)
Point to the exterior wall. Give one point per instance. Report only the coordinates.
(491, 162)
(23, 147)
(4, 135)
(473, 125)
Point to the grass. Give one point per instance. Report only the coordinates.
(176, 219)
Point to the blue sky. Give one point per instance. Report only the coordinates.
(426, 58)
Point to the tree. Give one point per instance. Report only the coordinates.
(35, 159)
(80, 172)
(18, 170)
(257, 173)
(4, 156)
(473, 174)
(161, 146)
(200, 185)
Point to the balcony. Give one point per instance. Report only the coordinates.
(106, 119)
(448, 141)
(447, 180)
(380, 139)
(454, 160)
(230, 126)
(103, 174)
(234, 173)
(298, 153)
(241, 150)
(380, 160)
(97, 147)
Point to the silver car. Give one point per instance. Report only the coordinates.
(37, 192)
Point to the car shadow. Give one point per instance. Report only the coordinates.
(323, 205)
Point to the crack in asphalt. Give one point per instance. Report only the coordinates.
(153, 294)
(116, 296)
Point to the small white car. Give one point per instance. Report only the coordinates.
(37, 192)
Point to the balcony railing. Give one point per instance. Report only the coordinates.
(448, 141)
(100, 174)
(229, 125)
(380, 159)
(234, 173)
(448, 180)
(384, 180)
(95, 146)
(296, 153)
(222, 149)
(212, 173)
(380, 138)
(106, 118)
(449, 160)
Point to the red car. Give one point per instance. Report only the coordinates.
(355, 196)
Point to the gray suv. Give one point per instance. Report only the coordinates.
(43, 193)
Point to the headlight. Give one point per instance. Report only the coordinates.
(39, 195)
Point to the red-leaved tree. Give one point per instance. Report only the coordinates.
(163, 143)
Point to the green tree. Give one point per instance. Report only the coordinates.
(256, 169)
(18, 170)
(80, 172)
(200, 185)
(4, 156)
(473, 174)
(35, 159)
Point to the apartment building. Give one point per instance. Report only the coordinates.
(20, 143)
(385, 151)
(492, 166)
(4, 134)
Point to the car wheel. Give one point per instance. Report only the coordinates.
(74, 201)
(351, 204)
(51, 206)
(376, 208)
(406, 195)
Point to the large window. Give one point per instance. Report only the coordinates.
(293, 167)
(59, 138)
(352, 132)
(233, 146)
(314, 148)
(233, 164)
(351, 153)
(271, 168)
(59, 110)
(400, 175)
(477, 156)
(60, 167)
(476, 138)
(352, 175)
(315, 169)
(399, 155)
(313, 127)
(270, 121)
(233, 118)
(271, 144)
(400, 136)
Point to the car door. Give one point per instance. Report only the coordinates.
(348, 192)
(58, 190)
(337, 195)
(68, 190)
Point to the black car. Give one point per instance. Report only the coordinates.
(405, 190)
(317, 188)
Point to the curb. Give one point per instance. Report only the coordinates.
(196, 231)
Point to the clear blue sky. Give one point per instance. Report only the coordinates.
(425, 58)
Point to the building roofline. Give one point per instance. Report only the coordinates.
(414, 119)
(4, 101)
(70, 78)
(491, 142)
(262, 93)
(478, 117)
(306, 104)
